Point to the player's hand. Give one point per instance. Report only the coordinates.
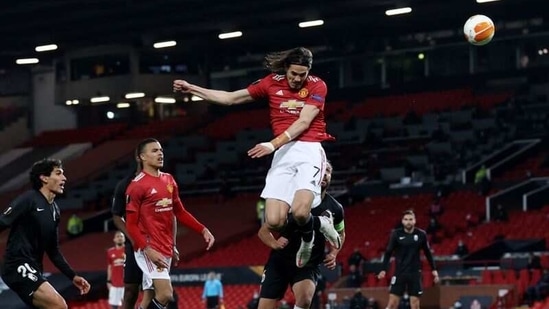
(280, 243)
(175, 256)
(330, 260)
(81, 284)
(181, 85)
(261, 150)
(436, 279)
(381, 274)
(209, 238)
(156, 257)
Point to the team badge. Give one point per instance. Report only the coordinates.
(170, 188)
(303, 93)
(415, 238)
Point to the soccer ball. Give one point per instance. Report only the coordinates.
(479, 30)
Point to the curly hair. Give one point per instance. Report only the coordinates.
(278, 62)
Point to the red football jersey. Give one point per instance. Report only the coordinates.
(115, 259)
(151, 205)
(285, 104)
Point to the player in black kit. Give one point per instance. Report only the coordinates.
(407, 242)
(133, 276)
(281, 270)
(34, 219)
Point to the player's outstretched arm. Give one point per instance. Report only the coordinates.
(216, 96)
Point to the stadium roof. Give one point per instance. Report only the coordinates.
(265, 24)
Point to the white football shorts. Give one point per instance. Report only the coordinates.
(296, 166)
(150, 271)
(115, 296)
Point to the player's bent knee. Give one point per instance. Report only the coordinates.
(301, 215)
(275, 223)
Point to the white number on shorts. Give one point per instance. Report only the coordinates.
(27, 271)
(317, 171)
(393, 280)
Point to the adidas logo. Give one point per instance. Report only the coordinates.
(153, 191)
(280, 92)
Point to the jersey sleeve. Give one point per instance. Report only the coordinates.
(19, 207)
(182, 214)
(259, 88)
(118, 206)
(317, 94)
(134, 198)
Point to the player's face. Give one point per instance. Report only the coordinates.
(153, 155)
(119, 239)
(408, 221)
(296, 75)
(55, 182)
(327, 177)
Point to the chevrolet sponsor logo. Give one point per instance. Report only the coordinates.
(165, 202)
(292, 104)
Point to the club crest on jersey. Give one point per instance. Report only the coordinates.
(415, 237)
(303, 93)
(170, 188)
